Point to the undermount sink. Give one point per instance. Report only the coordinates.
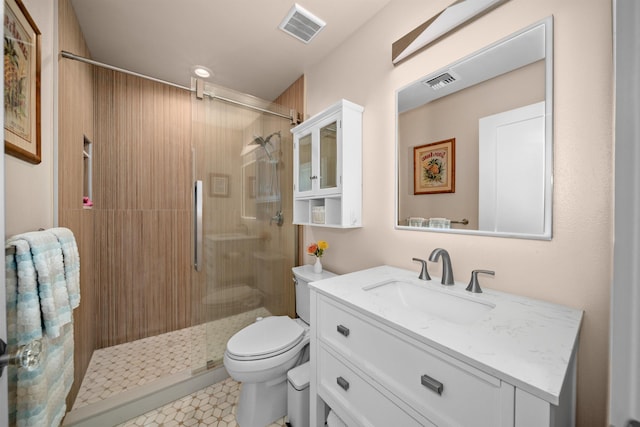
(439, 303)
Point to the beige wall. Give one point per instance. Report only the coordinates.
(29, 188)
(575, 267)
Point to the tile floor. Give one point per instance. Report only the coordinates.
(214, 406)
(126, 366)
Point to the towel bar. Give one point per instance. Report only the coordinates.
(462, 221)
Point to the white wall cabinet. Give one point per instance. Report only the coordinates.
(371, 374)
(327, 168)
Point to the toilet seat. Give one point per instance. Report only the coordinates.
(266, 338)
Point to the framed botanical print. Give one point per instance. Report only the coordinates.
(434, 167)
(21, 83)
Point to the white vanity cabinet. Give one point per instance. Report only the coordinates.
(327, 168)
(415, 382)
(374, 371)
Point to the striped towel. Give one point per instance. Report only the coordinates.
(38, 306)
(52, 288)
(71, 260)
(24, 323)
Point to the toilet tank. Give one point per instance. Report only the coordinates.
(303, 275)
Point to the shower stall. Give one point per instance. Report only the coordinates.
(243, 237)
(172, 273)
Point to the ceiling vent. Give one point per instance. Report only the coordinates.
(441, 81)
(301, 24)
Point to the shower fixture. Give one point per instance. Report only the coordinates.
(262, 141)
(258, 140)
(278, 218)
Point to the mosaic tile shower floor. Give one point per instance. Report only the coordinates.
(126, 366)
(214, 406)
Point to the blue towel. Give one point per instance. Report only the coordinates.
(24, 321)
(71, 260)
(46, 254)
(39, 303)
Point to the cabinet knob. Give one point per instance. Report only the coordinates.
(343, 330)
(313, 177)
(432, 384)
(343, 383)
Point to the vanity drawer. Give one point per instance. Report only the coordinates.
(366, 405)
(446, 391)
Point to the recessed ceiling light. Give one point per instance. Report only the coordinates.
(202, 71)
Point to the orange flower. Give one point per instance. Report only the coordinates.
(312, 248)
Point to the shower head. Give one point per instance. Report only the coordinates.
(272, 135)
(258, 140)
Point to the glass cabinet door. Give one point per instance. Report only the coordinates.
(304, 163)
(328, 156)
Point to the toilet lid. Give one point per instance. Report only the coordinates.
(269, 336)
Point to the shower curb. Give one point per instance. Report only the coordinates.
(132, 403)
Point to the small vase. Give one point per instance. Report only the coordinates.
(317, 267)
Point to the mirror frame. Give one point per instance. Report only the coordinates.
(547, 24)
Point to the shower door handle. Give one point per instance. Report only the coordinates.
(197, 225)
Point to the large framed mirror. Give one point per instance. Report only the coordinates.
(497, 106)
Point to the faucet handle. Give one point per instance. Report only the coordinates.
(424, 274)
(474, 285)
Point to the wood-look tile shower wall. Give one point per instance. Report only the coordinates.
(292, 98)
(142, 207)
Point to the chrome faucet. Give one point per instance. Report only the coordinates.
(447, 272)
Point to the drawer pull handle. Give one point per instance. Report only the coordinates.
(343, 383)
(343, 330)
(432, 384)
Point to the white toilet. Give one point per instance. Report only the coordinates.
(260, 355)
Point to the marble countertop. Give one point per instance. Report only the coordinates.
(525, 342)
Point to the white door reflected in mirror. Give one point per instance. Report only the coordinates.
(511, 171)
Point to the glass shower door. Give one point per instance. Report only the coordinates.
(243, 159)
